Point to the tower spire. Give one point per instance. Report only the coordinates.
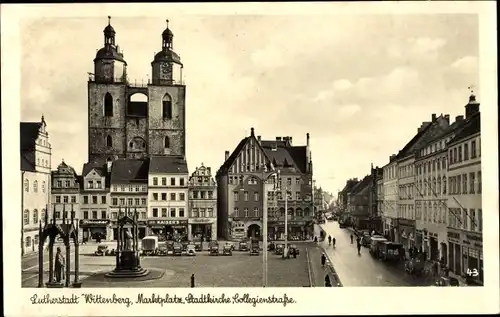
(109, 20)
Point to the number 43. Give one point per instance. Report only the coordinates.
(472, 272)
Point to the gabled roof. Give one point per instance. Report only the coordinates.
(27, 165)
(168, 165)
(101, 169)
(470, 126)
(408, 147)
(350, 184)
(129, 171)
(285, 155)
(229, 162)
(361, 185)
(29, 134)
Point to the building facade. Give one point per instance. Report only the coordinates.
(168, 197)
(95, 218)
(390, 199)
(359, 203)
(202, 220)
(36, 153)
(465, 217)
(380, 197)
(242, 181)
(65, 192)
(129, 192)
(130, 120)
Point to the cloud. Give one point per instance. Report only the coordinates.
(425, 45)
(348, 110)
(467, 64)
(342, 84)
(268, 57)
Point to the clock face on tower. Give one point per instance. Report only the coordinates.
(166, 70)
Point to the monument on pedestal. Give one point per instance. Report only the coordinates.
(60, 271)
(128, 262)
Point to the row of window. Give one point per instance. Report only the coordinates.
(137, 143)
(128, 201)
(271, 195)
(466, 219)
(28, 241)
(164, 181)
(458, 154)
(390, 172)
(35, 186)
(202, 212)
(431, 166)
(173, 196)
(67, 184)
(129, 188)
(202, 194)
(272, 212)
(71, 199)
(35, 216)
(459, 184)
(45, 163)
(169, 212)
(201, 180)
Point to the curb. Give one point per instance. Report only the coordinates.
(332, 272)
(309, 271)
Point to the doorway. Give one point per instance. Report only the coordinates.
(253, 231)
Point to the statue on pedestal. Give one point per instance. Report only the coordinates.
(59, 266)
(128, 240)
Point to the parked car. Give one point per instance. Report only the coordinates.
(214, 248)
(447, 281)
(292, 249)
(415, 265)
(391, 251)
(271, 246)
(177, 248)
(243, 246)
(191, 250)
(227, 249)
(375, 241)
(198, 244)
(254, 247)
(279, 249)
(101, 250)
(162, 250)
(149, 245)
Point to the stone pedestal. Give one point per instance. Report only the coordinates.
(54, 284)
(128, 266)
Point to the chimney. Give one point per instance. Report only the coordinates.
(290, 140)
(472, 107)
(278, 138)
(226, 155)
(433, 117)
(459, 118)
(447, 118)
(392, 157)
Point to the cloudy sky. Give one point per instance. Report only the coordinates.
(359, 84)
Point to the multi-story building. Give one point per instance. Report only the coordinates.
(241, 181)
(465, 217)
(168, 197)
(65, 192)
(95, 200)
(35, 177)
(390, 198)
(430, 192)
(121, 124)
(203, 204)
(380, 197)
(359, 203)
(342, 198)
(375, 215)
(129, 192)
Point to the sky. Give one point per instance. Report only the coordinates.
(361, 85)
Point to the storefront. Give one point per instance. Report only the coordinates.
(95, 228)
(141, 229)
(407, 233)
(297, 230)
(455, 238)
(237, 230)
(419, 239)
(203, 228)
(170, 229)
(472, 256)
(433, 246)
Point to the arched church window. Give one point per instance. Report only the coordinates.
(167, 107)
(131, 145)
(108, 105)
(167, 142)
(109, 141)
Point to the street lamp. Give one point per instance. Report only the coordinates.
(285, 249)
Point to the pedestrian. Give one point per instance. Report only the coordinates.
(323, 260)
(192, 280)
(359, 247)
(328, 283)
(352, 239)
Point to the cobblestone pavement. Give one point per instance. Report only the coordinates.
(363, 269)
(239, 270)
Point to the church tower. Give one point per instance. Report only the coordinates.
(106, 101)
(167, 96)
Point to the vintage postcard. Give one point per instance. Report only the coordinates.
(287, 158)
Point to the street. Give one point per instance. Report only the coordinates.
(237, 270)
(363, 269)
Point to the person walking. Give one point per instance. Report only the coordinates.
(329, 240)
(323, 260)
(352, 239)
(328, 283)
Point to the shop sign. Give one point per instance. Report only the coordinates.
(201, 220)
(167, 222)
(454, 236)
(94, 222)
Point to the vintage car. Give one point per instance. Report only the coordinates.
(271, 246)
(184, 246)
(177, 248)
(254, 247)
(191, 250)
(391, 251)
(416, 264)
(365, 239)
(214, 248)
(227, 249)
(447, 281)
(170, 246)
(198, 245)
(162, 250)
(293, 250)
(375, 241)
(279, 249)
(243, 246)
(149, 245)
(101, 250)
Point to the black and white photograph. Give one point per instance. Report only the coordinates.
(186, 150)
